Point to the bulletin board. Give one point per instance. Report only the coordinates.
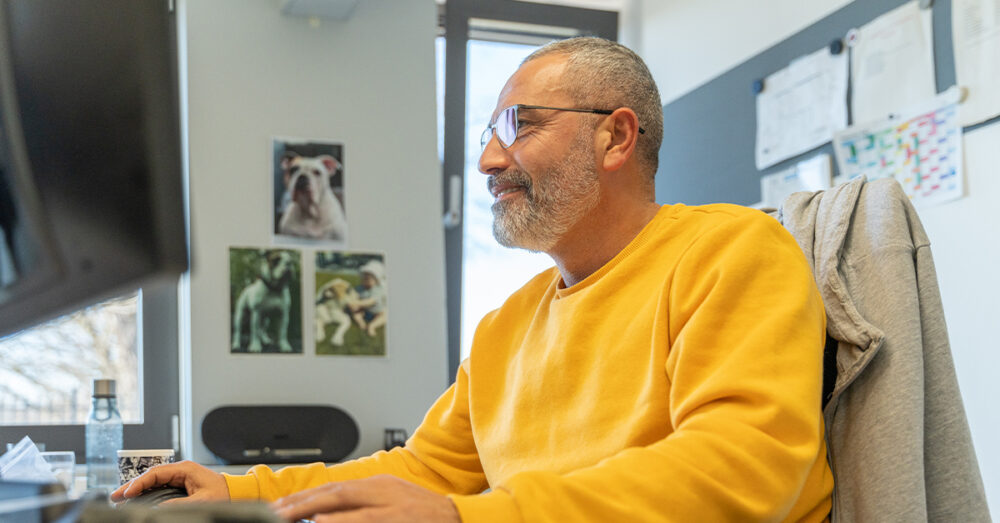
(709, 135)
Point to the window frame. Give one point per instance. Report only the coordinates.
(455, 20)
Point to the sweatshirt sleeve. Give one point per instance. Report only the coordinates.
(440, 456)
(746, 329)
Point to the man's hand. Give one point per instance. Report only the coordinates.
(201, 484)
(378, 498)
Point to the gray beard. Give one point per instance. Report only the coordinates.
(546, 211)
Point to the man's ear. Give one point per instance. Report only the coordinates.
(622, 132)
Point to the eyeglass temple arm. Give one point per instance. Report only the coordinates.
(594, 111)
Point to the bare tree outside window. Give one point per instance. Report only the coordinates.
(46, 372)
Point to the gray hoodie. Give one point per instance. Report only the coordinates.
(898, 439)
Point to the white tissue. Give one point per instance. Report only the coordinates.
(24, 462)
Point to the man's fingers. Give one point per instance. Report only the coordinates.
(117, 494)
(172, 474)
(311, 507)
(334, 497)
(302, 495)
(314, 501)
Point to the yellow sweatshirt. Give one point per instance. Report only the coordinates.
(680, 382)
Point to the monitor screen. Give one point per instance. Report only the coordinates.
(91, 198)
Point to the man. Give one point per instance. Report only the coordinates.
(667, 368)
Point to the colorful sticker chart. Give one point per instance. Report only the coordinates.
(923, 152)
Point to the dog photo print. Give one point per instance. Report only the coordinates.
(308, 180)
(351, 303)
(265, 301)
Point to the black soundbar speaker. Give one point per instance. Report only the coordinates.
(279, 434)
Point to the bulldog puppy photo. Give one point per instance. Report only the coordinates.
(333, 300)
(311, 177)
(351, 304)
(265, 300)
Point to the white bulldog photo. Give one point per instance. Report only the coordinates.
(263, 309)
(311, 209)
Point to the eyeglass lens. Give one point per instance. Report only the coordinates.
(505, 128)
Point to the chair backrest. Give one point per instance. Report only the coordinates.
(829, 368)
(899, 444)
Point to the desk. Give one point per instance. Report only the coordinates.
(27, 502)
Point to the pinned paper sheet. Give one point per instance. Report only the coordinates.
(976, 40)
(801, 107)
(808, 175)
(892, 63)
(922, 150)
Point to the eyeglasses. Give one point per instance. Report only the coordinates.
(506, 124)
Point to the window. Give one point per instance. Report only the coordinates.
(486, 41)
(490, 272)
(46, 373)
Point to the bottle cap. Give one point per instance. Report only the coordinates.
(104, 388)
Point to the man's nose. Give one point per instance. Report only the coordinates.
(494, 158)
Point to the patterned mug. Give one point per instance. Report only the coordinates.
(133, 463)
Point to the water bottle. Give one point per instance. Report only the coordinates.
(104, 437)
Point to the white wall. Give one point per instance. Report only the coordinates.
(367, 82)
(688, 42)
(963, 239)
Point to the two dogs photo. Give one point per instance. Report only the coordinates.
(350, 313)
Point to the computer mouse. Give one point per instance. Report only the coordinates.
(157, 495)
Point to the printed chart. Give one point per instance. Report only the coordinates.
(922, 152)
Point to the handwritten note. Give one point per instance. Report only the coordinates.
(976, 40)
(892, 63)
(801, 107)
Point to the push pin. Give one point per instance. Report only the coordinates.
(836, 46)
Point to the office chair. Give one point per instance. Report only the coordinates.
(897, 436)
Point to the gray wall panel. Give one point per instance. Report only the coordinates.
(709, 134)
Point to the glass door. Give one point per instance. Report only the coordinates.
(484, 44)
(490, 272)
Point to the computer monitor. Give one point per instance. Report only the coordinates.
(91, 199)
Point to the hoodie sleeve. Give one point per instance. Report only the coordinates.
(440, 456)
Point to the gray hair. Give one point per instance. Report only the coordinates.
(607, 75)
